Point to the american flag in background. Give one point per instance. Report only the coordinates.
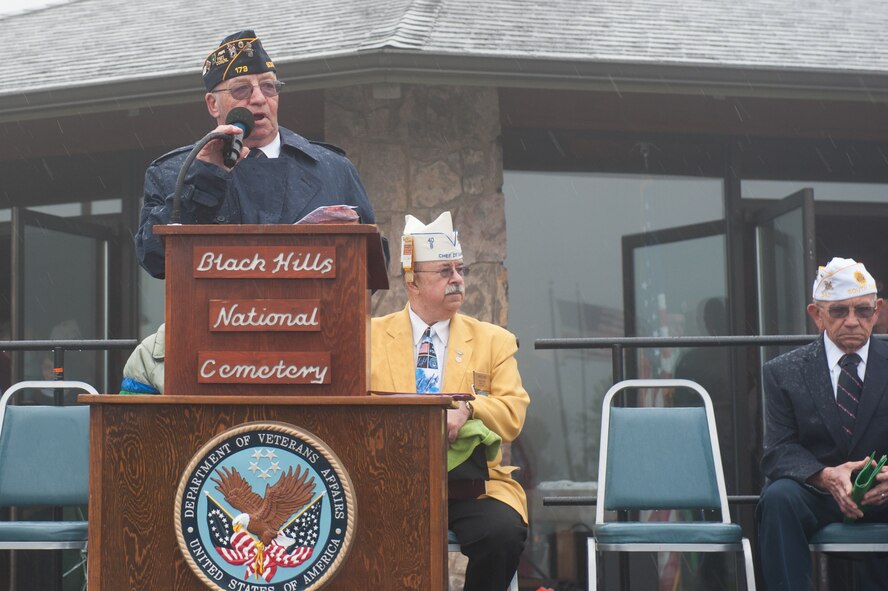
(583, 320)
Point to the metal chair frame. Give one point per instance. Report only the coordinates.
(868, 537)
(593, 546)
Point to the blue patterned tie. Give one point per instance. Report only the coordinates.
(428, 376)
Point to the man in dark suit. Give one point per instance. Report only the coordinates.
(826, 410)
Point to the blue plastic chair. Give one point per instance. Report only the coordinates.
(661, 458)
(453, 546)
(44, 461)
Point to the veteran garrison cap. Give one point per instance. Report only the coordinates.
(239, 54)
(842, 279)
(437, 241)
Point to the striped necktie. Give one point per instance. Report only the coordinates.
(428, 375)
(848, 392)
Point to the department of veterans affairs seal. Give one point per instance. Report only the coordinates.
(265, 506)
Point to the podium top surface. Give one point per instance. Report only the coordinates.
(266, 229)
(161, 399)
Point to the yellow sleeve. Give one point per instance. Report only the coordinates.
(504, 409)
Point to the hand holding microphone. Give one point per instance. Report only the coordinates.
(238, 125)
(230, 136)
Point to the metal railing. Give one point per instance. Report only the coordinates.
(618, 345)
(58, 348)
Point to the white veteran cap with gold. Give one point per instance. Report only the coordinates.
(433, 242)
(842, 279)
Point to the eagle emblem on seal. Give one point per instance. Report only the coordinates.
(271, 530)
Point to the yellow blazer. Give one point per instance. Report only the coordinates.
(474, 346)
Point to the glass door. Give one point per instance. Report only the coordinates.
(785, 267)
(674, 284)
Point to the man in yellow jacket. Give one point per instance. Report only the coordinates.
(428, 348)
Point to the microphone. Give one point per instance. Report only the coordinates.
(233, 144)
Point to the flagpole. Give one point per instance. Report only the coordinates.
(209, 496)
(303, 510)
(558, 390)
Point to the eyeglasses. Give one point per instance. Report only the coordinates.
(241, 92)
(843, 311)
(447, 272)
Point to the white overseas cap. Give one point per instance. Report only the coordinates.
(434, 242)
(842, 279)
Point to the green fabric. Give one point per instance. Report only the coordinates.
(865, 480)
(130, 393)
(472, 434)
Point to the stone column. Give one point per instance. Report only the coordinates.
(424, 150)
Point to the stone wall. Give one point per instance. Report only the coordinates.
(424, 150)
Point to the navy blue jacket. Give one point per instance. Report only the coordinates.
(280, 190)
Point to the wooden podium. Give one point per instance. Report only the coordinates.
(392, 447)
(267, 298)
(269, 325)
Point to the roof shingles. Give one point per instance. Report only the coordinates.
(87, 42)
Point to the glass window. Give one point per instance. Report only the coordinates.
(823, 191)
(106, 206)
(151, 303)
(68, 210)
(63, 210)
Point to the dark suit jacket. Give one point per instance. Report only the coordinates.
(802, 430)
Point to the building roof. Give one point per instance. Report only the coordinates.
(157, 48)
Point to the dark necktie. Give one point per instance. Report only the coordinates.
(848, 391)
(256, 153)
(428, 376)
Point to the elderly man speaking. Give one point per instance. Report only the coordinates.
(428, 348)
(826, 410)
(283, 177)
